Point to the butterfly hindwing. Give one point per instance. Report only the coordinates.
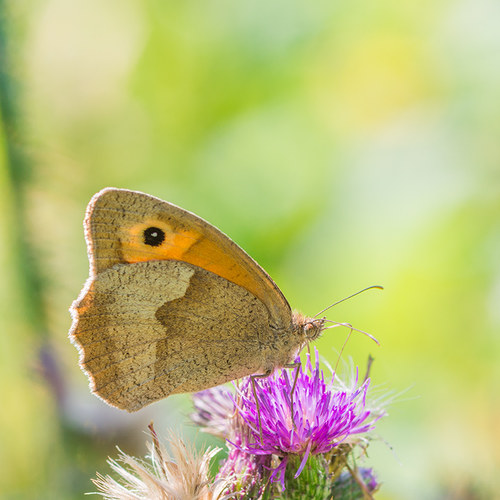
(139, 344)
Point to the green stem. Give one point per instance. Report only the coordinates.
(17, 174)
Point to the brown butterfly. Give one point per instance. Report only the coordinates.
(172, 305)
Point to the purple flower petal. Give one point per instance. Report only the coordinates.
(324, 416)
(304, 460)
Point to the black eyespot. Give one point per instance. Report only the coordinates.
(154, 236)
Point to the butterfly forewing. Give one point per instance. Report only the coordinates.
(124, 226)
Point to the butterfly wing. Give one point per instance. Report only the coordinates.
(189, 329)
(171, 305)
(121, 227)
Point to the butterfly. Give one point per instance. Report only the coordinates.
(173, 305)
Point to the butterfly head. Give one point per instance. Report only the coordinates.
(308, 328)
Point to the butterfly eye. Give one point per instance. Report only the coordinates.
(154, 236)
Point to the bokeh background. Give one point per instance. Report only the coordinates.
(342, 144)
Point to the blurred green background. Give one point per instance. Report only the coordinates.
(342, 144)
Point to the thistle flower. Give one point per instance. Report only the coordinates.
(184, 476)
(323, 417)
(214, 409)
(329, 420)
(244, 474)
(216, 413)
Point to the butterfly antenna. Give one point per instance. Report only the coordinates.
(346, 298)
(347, 325)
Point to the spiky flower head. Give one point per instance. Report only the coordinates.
(214, 409)
(323, 415)
(216, 412)
(329, 419)
(182, 475)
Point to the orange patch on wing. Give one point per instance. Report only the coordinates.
(176, 243)
(208, 255)
(188, 246)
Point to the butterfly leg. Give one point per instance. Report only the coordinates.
(257, 405)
